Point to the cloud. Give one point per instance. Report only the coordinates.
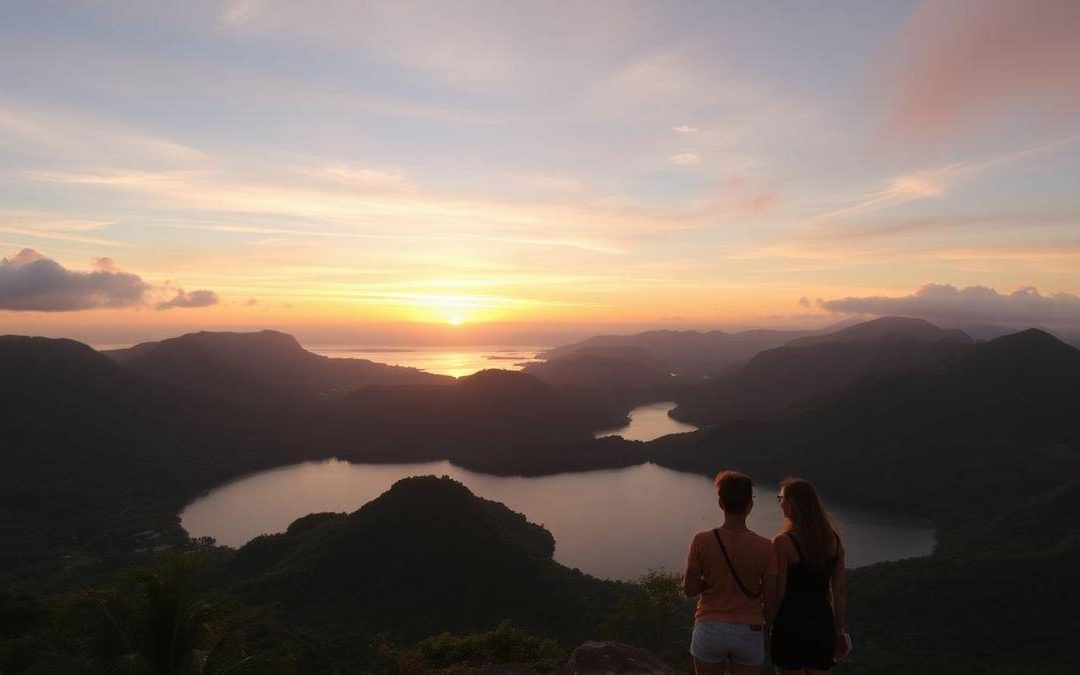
(105, 264)
(685, 129)
(686, 158)
(201, 298)
(31, 282)
(962, 61)
(804, 301)
(974, 303)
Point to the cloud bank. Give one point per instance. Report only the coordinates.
(30, 282)
(974, 303)
(201, 298)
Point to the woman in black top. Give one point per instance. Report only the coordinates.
(808, 630)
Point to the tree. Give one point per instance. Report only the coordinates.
(155, 623)
(656, 618)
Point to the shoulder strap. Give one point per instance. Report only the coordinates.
(802, 558)
(731, 567)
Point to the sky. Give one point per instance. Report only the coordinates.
(527, 171)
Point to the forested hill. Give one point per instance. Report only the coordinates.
(691, 353)
(272, 359)
(425, 557)
(921, 438)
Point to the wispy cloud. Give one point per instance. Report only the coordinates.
(377, 212)
(55, 227)
(685, 158)
(89, 138)
(962, 62)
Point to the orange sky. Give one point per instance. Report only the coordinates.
(387, 173)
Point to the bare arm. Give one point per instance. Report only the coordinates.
(776, 584)
(692, 582)
(773, 586)
(839, 594)
(774, 592)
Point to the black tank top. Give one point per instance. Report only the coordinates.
(805, 586)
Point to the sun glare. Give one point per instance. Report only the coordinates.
(455, 321)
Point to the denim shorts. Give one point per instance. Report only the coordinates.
(720, 642)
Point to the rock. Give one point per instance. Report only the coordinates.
(507, 669)
(611, 657)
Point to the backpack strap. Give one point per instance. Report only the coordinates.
(731, 567)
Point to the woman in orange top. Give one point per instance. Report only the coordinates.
(726, 569)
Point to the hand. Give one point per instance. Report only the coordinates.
(842, 644)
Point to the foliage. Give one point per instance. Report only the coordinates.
(154, 621)
(658, 617)
(448, 653)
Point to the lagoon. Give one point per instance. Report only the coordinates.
(613, 523)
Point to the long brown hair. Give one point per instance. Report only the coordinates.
(810, 523)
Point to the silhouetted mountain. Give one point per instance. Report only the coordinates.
(82, 440)
(64, 402)
(810, 368)
(925, 438)
(587, 369)
(425, 557)
(230, 363)
(93, 453)
(495, 420)
(685, 353)
(887, 326)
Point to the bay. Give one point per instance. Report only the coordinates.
(456, 361)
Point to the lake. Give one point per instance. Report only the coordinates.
(614, 523)
(649, 422)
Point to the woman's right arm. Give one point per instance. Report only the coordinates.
(692, 582)
(838, 584)
(776, 583)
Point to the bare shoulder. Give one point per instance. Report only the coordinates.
(836, 546)
(763, 542)
(700, 536)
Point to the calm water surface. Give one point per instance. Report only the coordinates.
(613, 523)
(649, 422)
(453, 361)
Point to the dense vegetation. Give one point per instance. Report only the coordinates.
(99, 454)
